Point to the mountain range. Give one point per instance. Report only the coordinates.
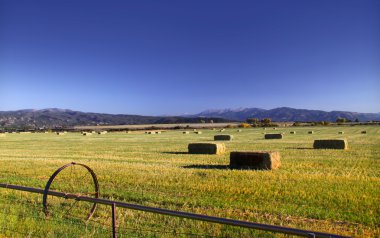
(288, 114)
(54, 117)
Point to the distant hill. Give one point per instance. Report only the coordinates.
(54, 117)
(287, 114)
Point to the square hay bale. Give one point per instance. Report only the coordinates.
(292, 132)
(87, 133)
(273, 136)
(102, 132)
(274, 128)
(341, 132)
(331, 144)
(223, 137)
(239, 130)
(185, 132)
(198, 132)
(310, 132)
(207, 148)
(158, 132)
(364, 132)
(265, 160)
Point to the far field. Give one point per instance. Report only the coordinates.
(336, 191)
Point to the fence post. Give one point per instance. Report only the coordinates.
(114, 235)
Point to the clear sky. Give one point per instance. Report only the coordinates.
(174, 57)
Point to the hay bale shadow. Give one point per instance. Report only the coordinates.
(175, 153)
(216, 167)
(206, 166)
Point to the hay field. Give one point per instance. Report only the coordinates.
(335, 191)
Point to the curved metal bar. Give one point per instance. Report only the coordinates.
(52, 177)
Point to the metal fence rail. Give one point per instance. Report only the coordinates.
(232, 222)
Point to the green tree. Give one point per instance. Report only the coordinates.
(266, 121)
(252, 120)
(341, 120)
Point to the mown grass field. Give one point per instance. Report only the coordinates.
(335, 191)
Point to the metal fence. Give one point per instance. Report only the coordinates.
(118, 204)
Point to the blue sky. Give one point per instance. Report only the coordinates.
(175, 57)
